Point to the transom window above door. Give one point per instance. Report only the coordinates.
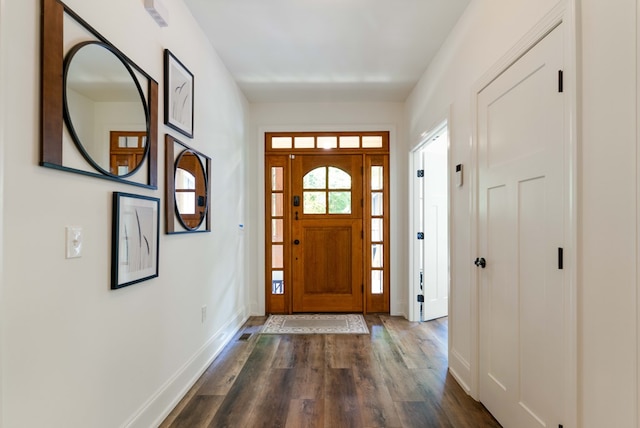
(298, 142)
(326, 190)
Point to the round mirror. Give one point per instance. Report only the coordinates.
(105, 109)
(191, 190)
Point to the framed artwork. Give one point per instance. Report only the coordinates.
(178, 95)
(135, 243)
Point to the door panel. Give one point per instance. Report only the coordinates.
(327, 268)
(520, 159)
(327, 233)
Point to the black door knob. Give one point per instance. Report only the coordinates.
(296, 242)
(480, 262)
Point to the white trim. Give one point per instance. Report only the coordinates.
(563, 13)
(3, 82)
(163, 401)
(444, 123)
(637, 237)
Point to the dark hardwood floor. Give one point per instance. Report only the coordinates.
(395, 377)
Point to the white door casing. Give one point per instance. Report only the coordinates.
(521, 139)
(435, 227)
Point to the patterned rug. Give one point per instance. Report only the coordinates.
(316, 324)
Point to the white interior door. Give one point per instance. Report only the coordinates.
(431, 202)
(436, 228)
(520, 165)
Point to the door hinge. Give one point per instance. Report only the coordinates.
(362, 288)
(560, 258)
(421, 173)
(420, 235)
(362, 234)
(361, 170)
(420, 298)
(560, 81)
(362, 202)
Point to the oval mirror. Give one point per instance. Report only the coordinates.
(105, 109)
(191, 190)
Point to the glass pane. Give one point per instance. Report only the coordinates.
(327, 142)
(376, 230)
(376, 282)
(185, 180)
(350, 142)
(277, 282)
(277, 230)
(372, 142)
(315, 179)
(338, 179)
(339, 202)
(315, 203)
(304, 142)
(277, 256)
(376, 203)
(377, 178)
(281, 142)
(376, 255)
(186, 202)
(277, 177)
(277, 204)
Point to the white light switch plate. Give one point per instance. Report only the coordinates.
(74, 241)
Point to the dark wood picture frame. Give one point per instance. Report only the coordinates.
(53, 104)
(179, 94)
(174, 221)
(135, 239)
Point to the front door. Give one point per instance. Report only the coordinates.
(520, 157)
(327, 234)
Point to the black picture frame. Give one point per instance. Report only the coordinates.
(135, 239)
(179, 95)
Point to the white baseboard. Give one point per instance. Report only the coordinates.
(457, 362)
(160, 404)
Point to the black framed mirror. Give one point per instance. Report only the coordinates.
(99, 109)
(188, 190)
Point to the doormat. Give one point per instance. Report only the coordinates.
(316, 324)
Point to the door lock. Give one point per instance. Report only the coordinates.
(296, 242)
(480, 262)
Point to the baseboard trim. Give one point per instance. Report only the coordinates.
(161, 403)
(461, 382)
(456, 363)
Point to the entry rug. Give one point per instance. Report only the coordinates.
(316, 324)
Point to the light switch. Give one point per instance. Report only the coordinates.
(74, 241)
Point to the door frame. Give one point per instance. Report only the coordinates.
(564, 13)
(414, 281)
(372, 156)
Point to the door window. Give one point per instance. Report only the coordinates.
(326, 190)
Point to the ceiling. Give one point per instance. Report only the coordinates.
(326, 50)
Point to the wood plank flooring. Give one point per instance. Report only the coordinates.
(395, 377)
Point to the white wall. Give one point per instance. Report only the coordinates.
(608, 214)
(607, 259)
(330, 117)
(74, 353)
(485, 33)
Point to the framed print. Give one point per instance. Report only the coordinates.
(178, 95)
(136, 230)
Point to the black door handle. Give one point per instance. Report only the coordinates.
(480, 262)
(296, 242)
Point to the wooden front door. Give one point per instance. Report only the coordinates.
(327, 234)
